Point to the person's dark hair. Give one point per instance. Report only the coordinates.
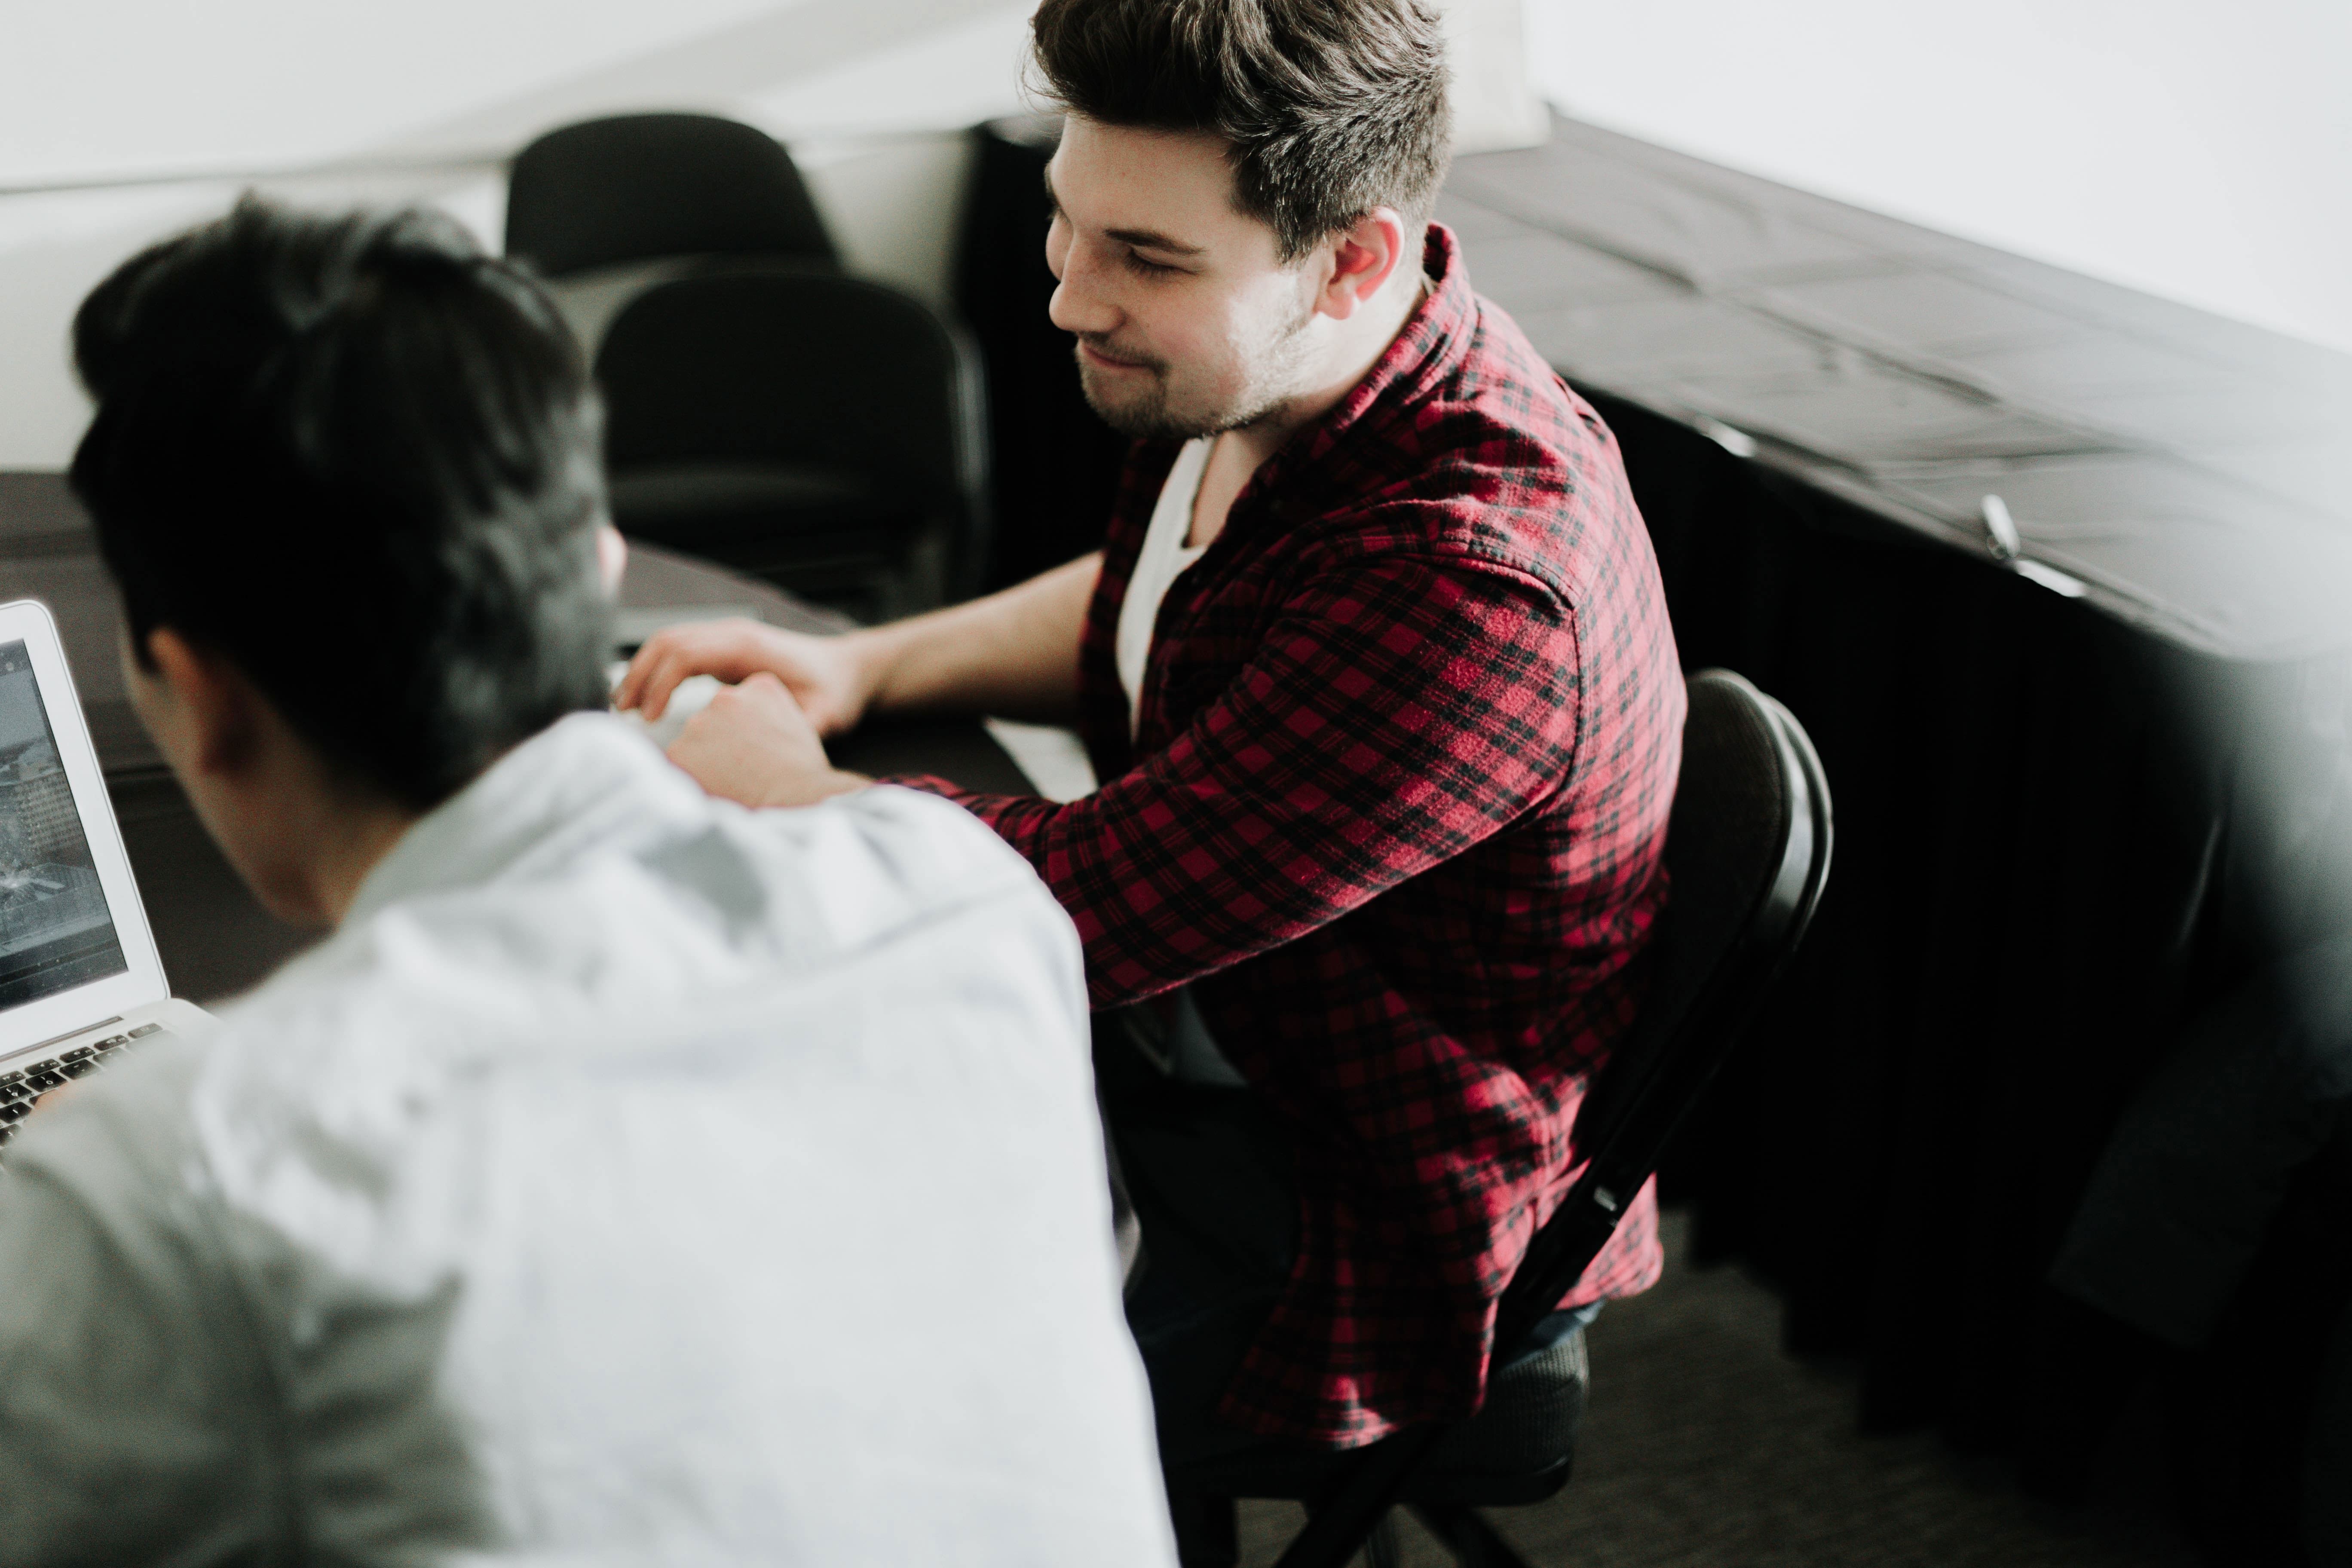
(1331, 108)
(358, 458)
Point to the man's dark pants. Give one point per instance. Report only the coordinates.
(1207, 1172)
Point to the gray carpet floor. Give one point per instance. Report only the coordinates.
(1705, 1443)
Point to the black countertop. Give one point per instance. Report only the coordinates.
(2186, 470)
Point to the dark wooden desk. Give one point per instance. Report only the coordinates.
(215, 938)
(2064, 824)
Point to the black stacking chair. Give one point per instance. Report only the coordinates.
(644, 187)
(1748, 850)
(826, 433)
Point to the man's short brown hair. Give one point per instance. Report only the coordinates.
(1331, 108)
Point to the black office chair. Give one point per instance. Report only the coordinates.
(1054, 465)
(645, 187)
(1747, 850)
(826, 433)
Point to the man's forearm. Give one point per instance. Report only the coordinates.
(1014, 652)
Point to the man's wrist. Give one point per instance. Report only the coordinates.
(872, 652)
(809, 789)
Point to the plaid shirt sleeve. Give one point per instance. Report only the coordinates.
(1400, 710)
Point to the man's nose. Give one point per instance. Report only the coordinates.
(1077, 305)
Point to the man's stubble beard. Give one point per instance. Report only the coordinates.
(1271, 382)
(1140, 419)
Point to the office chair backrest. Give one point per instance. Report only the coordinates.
(641, 186)
(1747, 853)
(793, 368)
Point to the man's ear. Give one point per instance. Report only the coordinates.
(1364, 257)
(612, 557)
(213, 706)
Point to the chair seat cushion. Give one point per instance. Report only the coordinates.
(1517, 1449)
(802, 526)
(714, 501)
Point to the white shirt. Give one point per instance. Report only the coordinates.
(632, 1178)
(1164, 558)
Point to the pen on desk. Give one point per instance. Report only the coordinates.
(2000, 529)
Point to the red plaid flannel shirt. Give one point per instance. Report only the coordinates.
(1397, 800)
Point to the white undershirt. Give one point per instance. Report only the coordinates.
(1165, 557)
(1190, 1052)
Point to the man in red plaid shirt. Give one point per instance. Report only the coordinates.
(1375, 667)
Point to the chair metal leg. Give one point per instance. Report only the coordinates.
(1465, 1532)
(1337, 1525)
(1207, 1532)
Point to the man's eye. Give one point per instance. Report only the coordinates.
(1140, 264)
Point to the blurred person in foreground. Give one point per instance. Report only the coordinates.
(629, 1176)
(1376, 669)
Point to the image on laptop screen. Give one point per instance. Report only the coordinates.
(56, 930)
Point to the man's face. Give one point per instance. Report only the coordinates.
(1188, 323)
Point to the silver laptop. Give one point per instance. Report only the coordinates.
(79, 979)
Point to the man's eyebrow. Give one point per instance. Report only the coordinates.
(1152, 239)
(1141, 238)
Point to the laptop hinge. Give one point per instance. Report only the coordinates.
(68, 1035)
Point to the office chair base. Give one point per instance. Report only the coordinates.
(1464, 1533)
(1207, 1535)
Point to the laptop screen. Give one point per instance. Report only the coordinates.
(56, 930)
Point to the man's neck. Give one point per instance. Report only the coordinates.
(363, 838)
(1351, 358)
(305, 840)
(1243, 450)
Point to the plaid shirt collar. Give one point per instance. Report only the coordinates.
(1430, 347)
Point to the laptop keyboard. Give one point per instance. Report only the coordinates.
(20, 1088)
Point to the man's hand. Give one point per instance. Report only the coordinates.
(1014, 652)
(754, 744)
(828, 681)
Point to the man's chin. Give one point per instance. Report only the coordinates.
(1141, 415)
(1135, 412)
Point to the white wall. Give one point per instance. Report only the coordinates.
(2200, 154)
(2198, 150)
(416, 102)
